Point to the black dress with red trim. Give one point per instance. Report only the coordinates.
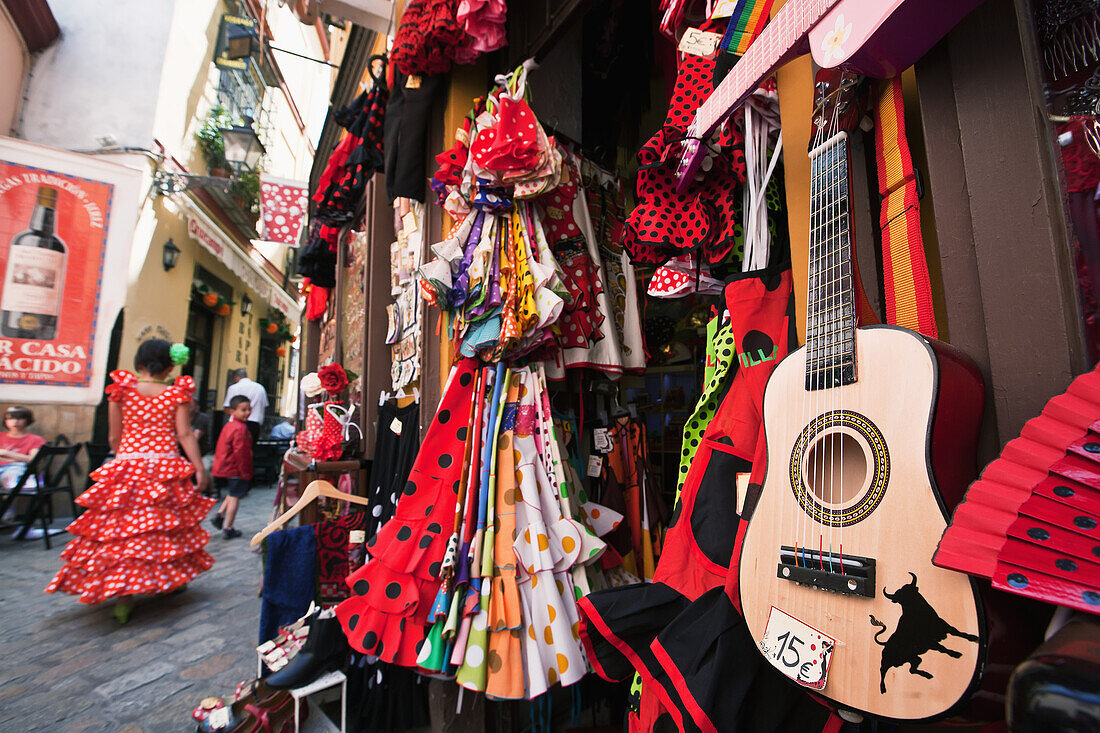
(392, 594)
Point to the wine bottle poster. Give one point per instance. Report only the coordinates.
(53, 241)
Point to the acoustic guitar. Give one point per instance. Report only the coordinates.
(876, 38)
(864, 428)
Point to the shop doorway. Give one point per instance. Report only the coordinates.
(200, 339)
(268, 374)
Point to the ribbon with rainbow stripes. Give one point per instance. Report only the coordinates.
(746, 22)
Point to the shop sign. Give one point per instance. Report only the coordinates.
(246, 270)
(66, 223)
(235, 26)
(197, 232)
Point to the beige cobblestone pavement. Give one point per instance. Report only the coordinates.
(68, 667)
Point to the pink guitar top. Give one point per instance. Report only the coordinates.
(877, 38)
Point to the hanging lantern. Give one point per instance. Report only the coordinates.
(224, 310)
(281, 351)
(210, 300)
(273, 327)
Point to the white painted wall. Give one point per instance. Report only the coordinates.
(100, 77)
(15, 61)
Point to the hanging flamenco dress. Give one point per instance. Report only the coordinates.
(392, 594)
(141, 532)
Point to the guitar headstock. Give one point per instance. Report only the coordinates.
(839, 102)
(690, 160)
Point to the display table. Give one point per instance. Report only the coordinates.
(324, 682)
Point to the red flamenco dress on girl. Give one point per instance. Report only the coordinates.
(141, 533)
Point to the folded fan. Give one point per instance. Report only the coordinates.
(1031, 523)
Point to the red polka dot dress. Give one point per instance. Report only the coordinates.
(140, 533)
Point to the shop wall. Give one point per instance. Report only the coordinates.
(15, 61)
(157, 302)
(100, 77)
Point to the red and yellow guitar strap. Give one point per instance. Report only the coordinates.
(905, 269)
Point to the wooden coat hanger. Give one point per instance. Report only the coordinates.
(314, 490)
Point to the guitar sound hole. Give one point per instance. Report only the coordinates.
(836, 469)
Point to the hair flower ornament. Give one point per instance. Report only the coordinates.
(180, 354)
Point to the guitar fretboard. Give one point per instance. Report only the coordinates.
(789, 26)
(831, 320)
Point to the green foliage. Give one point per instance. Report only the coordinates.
(209, 137)
(246, 184)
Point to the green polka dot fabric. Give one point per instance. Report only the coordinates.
(721, 351)
(635, 692)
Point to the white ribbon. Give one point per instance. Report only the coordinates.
(344, 418)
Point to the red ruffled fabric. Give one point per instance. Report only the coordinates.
(429, 38)
(580, 318)
(511, 146)
(665, 223)
(140, 533)
(558, 204)
(392, 594)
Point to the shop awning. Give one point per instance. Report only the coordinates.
(203, 229)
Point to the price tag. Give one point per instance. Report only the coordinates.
(595, 464)
(218, 719)
(723, 9)
(412, 82)
(357, 537)
(395, 426)
(601, 440)
(700, 43)
(798, 650)
(742, 480)
(409, 224)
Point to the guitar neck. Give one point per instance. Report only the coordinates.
(786, 30)
(830, 311)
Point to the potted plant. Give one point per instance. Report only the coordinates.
(209, 141)
(246, 191)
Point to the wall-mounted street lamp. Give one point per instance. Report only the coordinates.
(170, 256)
(243, 149)
(242, 144)
(246, 305)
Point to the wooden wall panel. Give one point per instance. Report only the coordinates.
(1016, 284)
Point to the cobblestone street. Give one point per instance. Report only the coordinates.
(69, 667)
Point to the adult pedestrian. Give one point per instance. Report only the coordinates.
(257, 398)
(140, 534)
(284, 430)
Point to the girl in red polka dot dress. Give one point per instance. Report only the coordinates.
(141, 533)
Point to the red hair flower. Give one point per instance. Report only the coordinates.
(333, 378)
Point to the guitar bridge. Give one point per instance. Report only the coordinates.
(848, 574)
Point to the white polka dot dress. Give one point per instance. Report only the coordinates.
(141, 532)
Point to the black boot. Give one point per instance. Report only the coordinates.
(325, 650)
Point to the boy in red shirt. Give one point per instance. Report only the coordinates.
(233, 464)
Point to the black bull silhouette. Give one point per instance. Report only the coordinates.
(920, 630)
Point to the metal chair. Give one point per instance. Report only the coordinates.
(52, 471)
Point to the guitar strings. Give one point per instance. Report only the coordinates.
(812, 344)
(837, 315)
